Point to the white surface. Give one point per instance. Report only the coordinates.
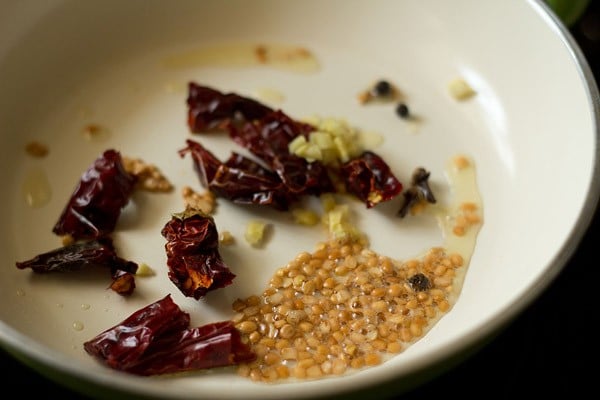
(532, 130)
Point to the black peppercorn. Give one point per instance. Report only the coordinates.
(419, 282)
(382, 89)
(402, 110)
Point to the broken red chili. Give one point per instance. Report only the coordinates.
(98, 252)
(195, 264)
(123, 282)
(157, 339)
(95, 205)
(370, 179)
(210, 109)
(268, 139)
(240, 179)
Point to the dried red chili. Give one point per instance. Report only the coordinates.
(210, 109)
(218, 344)
(95, 205)
(156, 339)
(269, 136)
(123, 282)
(267, 133)
(370, 179)
(98, 252)
(268, 139)
(239, 179)
(195, 264)
(122, 346)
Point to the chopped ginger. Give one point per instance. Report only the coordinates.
(255, 232)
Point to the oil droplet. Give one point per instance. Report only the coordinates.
(85, 306)
(280, 56)
(36, 188)
(78, 325)
(95, 133)
(20, 292)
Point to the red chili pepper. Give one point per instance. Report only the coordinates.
(157, 339)
(193, 258)
(95, 204)
(209, 109)
(239, 179)
(266, 133)
(370, 179)
(87, 254)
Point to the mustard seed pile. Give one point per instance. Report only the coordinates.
(342, 308)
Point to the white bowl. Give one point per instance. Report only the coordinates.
(531, 129)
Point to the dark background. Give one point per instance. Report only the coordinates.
(551, 349)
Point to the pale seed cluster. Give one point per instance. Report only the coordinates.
(205, 201)
(342, 308)
(467, 216)
(149, 176)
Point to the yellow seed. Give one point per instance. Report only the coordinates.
(289, 353)
(461, 162)
(405, 335)
(287, 331)
(254, 337)
(456, 260)
(472, 219)
(422, 296)
(247, 326)
(459, 230)
(244, 370)
(238, 305)
(379, 306)
(271, 358)
(415, 329)
(372, 359)
(443, 305)
(268, 342)
(314, 371)
(255, 374)
(357, 362)
(322, 349)
(253, 300)
(306, 362)
(270, 374)
(395, 290)
(283, 371)
(299, 372)
(394, 347)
